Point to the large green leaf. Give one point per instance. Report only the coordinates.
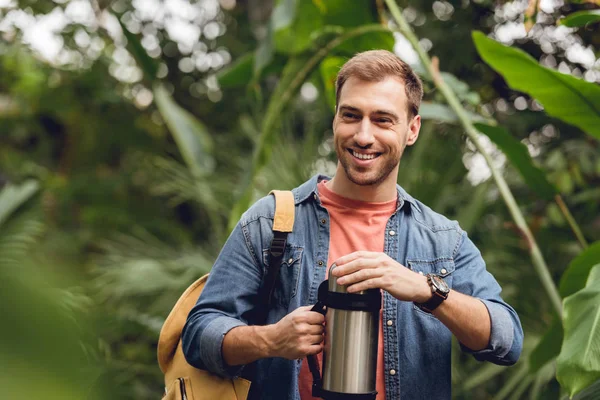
(519, 157)
(548, 347)
(578, 364)
(293, 22)
(570, 99)
(192, 137)
(574, 278)
(12, 196)
(581, 18)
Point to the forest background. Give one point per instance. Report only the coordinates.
(133, 134)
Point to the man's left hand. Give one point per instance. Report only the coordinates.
(363, 270)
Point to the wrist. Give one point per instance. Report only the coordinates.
(423, 290)
(268, 344)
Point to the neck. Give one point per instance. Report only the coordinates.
(380, 192)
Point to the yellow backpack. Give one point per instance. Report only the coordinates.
(185, 382)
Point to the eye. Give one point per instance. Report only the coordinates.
(349, 115)
(384, 121)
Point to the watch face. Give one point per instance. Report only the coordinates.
(440, 284)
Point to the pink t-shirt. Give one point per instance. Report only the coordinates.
(354, 225)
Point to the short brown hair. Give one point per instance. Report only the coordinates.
(376, 65)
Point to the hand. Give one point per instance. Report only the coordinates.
(298, 334)
(363, 270)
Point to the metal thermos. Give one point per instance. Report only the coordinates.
(351, 336)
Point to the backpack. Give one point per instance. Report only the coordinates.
(182, 380)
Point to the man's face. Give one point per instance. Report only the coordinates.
(371, 129)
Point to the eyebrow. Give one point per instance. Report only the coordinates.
(388, 113)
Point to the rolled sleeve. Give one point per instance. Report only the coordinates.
(211, 344)
(502, 336)
(472, 278)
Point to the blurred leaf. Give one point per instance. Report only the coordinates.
(570, 99)
(443, 113)
(329, 69)
(191, 136)
(592, 392)
(12, 196)
(293, 22)
(146, 63)
(580, 18)
(574, 278)
(519, 157)
(264, 53)
(578, 364)
(548, 347)
(237, 74)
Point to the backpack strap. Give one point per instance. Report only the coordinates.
(283, 223)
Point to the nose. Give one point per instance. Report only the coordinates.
(364, 137)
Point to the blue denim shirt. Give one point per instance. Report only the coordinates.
(416, 345)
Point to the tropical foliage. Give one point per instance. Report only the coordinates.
(133, 135)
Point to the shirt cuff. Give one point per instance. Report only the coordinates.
(211, 343)
(501, 335)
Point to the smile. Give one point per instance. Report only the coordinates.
(362, 156)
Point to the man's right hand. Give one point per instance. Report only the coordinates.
(298, 334)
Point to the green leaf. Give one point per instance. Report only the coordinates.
(293, 22)
(13, 196)
(581, 18)
(548, 347)
(519, 157)
(574, 278)
(237, 74)
(570, 99)
(443, 113)
(192, 138)
(578, 364)
(329, 69)
(592, 392)
(146, 63)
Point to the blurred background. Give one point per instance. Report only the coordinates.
(133, 134)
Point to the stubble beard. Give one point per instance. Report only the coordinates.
(364, 178)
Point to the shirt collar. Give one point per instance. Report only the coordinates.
(309, 190)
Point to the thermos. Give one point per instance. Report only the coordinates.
(351, 336)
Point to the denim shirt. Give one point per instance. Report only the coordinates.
(417, 346)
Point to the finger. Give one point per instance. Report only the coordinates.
(355, 265)
(354, 256)
(359, 276)
(315, 339)
(315, 329)
(314, 318)
(364, 285)
(314, 349)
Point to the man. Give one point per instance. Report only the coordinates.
(379, 237)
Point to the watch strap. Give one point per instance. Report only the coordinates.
(436, 299)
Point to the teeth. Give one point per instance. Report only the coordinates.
(363, 156)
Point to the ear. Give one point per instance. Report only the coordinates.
(413, 130)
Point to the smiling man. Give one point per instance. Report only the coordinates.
(433, 278)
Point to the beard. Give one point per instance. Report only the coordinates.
(368, 176)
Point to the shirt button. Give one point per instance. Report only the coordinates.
(392, 372)
(390, 323)
(323, 220)
(443, 271)
(420, 272)
(314, 196)
(320, 263)
(291, 260)
(392, 233)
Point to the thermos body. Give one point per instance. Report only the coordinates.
(350, 353)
